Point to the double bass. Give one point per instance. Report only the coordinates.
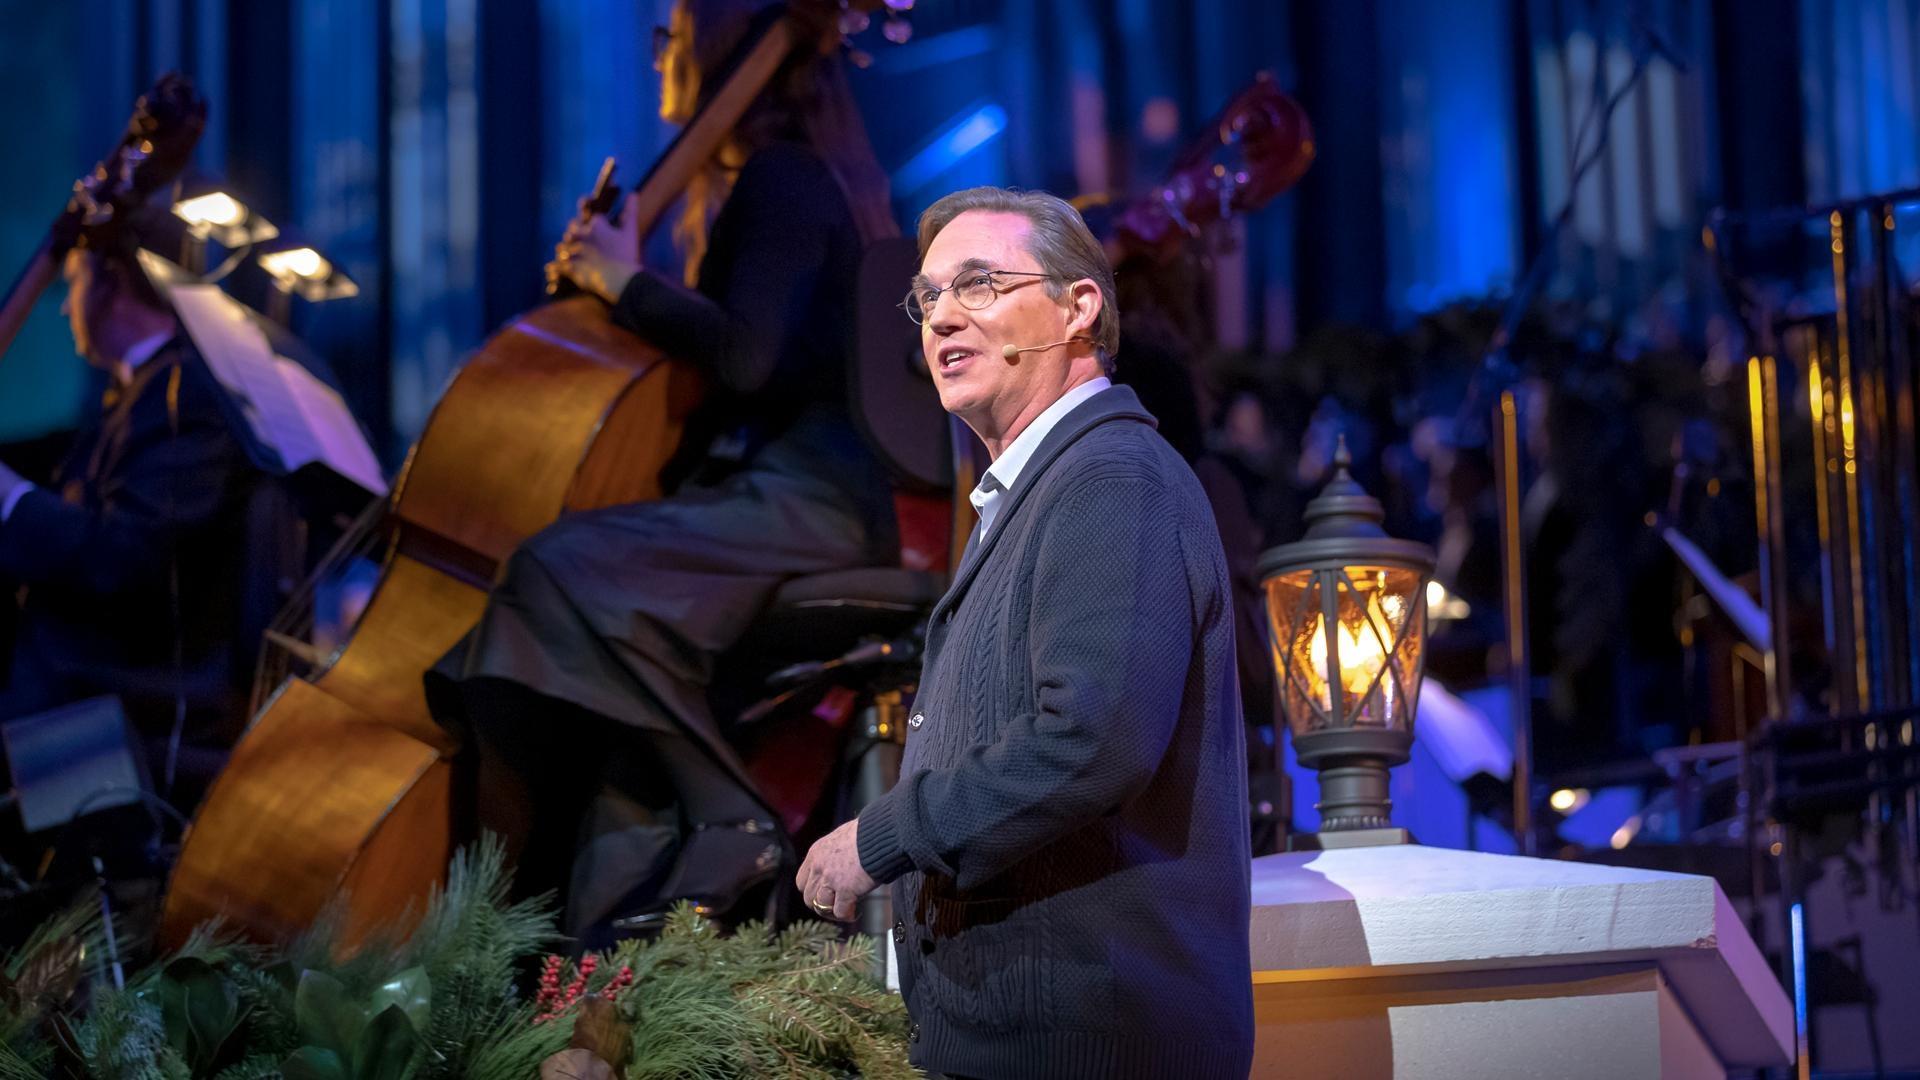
(165, 127)
(341, 790)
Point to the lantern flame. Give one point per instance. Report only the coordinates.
(1362, 652)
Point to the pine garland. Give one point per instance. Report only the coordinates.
(692, 1004)
(37, 981)
(24, 1063)
(469, 944)
(513, 1046)
(800, 1004)
(124, 1036)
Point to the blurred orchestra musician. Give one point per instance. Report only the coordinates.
(1162, 344)
(590, 667)
(1160, 244)
(119, 568)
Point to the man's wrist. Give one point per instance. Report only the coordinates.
(882, 855)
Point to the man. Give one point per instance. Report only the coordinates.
(1067, 844)
(123, 568)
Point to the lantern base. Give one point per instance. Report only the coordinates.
(1355, 766)
(1336, 839)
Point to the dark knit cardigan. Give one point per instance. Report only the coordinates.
(1068, 839)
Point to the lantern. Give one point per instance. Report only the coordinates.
(1347, 607)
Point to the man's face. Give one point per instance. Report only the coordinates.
(963, 346)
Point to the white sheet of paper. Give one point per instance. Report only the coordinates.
(1461, 738)
(893, 963)
(290, 410)
(337, 438)
(240, 357)
(1747, 616)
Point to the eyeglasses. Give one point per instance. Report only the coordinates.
(974, 289)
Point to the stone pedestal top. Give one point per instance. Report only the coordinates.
(1406, 909)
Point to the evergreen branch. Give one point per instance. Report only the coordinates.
(24, 1063)
(81, 922)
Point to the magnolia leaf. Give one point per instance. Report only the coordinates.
(212, 1007)
(599, 1028)
(201, 1008)
(387, 1047)
(412, 992)
(171, 996)
(313, 1063)
(327, 1017)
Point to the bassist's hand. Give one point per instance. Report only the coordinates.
(598, 255)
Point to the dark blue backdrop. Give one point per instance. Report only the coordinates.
(433, 148)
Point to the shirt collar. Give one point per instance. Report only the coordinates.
(1005, 470)
(142, 351)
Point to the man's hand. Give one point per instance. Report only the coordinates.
(831, 878)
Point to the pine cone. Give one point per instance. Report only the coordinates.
(599, 1028)
(576, 1064)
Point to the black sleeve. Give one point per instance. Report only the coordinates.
(782, 216)
(170, 484)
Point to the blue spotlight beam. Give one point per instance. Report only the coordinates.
(973, 129)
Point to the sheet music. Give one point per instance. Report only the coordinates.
(337, 441)
(1745, 614)
(1461, 738)
(295, 414)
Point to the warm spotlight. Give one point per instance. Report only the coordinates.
(1568, 800)
(213, 213)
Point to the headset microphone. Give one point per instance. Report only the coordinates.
(1012, 353)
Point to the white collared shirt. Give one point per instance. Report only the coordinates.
(142, 351)
(1005, 470)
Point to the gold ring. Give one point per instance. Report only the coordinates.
(824, 909)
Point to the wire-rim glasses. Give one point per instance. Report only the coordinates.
(974, 289)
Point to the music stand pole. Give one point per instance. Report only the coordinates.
(1514, 596)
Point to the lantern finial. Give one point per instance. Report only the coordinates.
(1343, 508)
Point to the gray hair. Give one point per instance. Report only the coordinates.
(1060, 241)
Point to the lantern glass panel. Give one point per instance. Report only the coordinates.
(1366, 672)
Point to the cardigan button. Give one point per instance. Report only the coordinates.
(916, 720)
(913, 1032)
(899, 933)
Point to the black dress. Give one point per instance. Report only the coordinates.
(611, 620)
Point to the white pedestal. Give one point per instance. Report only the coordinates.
(1408, 961)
